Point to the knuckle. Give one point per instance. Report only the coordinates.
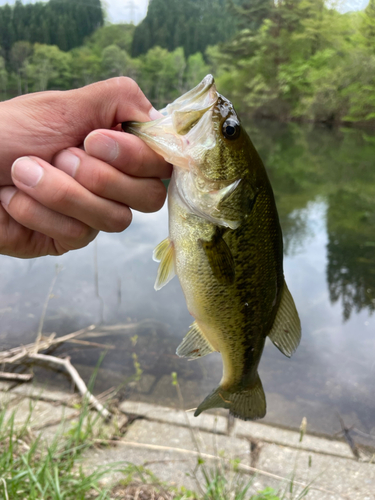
(61, 194)
(157, 194)
(79, 235)
(119, 221)
(136, 160)
(99, 180)
(24, 210)
(131, 85)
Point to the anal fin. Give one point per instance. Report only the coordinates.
(164, 253)
(286, 329)
(194, 345)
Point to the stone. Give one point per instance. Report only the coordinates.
(164, 434)
(350, 478)
(270, 434)
(206, 421)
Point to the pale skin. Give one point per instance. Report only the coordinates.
(67, 171)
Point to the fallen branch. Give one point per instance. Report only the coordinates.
(91, 344)
(81, 386)
(26, 353)
(19, 377)
(17, 353)
(31, 352)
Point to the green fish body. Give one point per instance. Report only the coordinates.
(225, 244)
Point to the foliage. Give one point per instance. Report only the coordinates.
(191, 24)
(304, 60)
(65, 23)
(289, 60)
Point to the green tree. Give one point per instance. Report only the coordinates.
(86, 66)
(191, 24)
(368, 25)
(161, 75)
(196, 70)
(3, 79)
(49, 68)
(19, 55)
(113, 34)
(65, 23)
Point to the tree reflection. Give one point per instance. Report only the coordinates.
(351, 250)
(305, 163)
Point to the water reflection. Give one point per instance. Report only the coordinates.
(306, 163)
(324, 182)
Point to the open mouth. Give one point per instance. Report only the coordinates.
(185, 126)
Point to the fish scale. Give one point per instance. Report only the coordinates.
(224, 244)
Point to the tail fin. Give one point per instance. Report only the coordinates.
(247, 404)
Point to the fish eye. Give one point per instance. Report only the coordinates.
(231, 129)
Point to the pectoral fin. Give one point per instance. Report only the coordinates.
(164, 253)
(286, 329)
(194, 345)
(220, 258)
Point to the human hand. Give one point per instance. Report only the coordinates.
(56, 196)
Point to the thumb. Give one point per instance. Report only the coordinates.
(44, 123)
(106, 104)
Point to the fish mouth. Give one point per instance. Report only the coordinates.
(185, 128)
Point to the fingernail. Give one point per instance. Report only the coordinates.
(6, 194)
(101, 146)
(27, 171)
(154, 114)
(67, 162)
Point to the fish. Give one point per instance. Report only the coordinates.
(225, 244)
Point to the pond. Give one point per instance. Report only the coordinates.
(324, 183)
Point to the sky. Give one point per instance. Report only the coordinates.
(125, 11)
(118, 11)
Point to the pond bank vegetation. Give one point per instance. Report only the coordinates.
(287, 60)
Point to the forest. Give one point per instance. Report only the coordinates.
(289, 60)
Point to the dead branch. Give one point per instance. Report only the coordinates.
(91, 344)
(19, 377)
(81, 386)
(17, 353)
(30, 352)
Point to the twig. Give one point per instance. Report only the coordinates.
(243, 467)
(21, 351)
(20, 377)
(81, 386)
(346, 432)
(43, 315)
(91, 344)
(30, 352)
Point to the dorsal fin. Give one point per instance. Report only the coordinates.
(286, 329)
(164, 253)
(194, 345)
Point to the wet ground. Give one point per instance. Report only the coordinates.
(324, 183)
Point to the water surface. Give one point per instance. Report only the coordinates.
(324, 183)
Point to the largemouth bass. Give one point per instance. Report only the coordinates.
(225, 244)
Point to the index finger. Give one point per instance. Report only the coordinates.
(127, 153)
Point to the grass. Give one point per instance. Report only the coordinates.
(215, 485)
(31, 469)
(34, 470)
